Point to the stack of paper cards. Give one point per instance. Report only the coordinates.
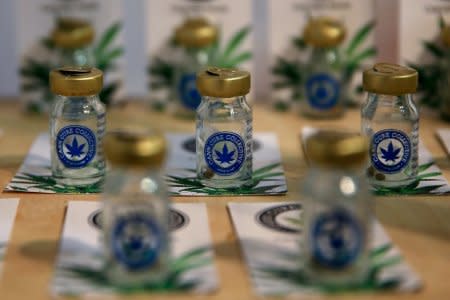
(430, 180)
(79, 266)
(269, 235)
(8, 209)
(268, 177)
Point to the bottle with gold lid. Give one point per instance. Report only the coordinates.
(391, 119)
(72, 36)
(135, 208)
(322, 88)
(224, 128)
(337, 209)
(77, 126)
(195, 36)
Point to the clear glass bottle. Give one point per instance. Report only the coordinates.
(72, 38)
(136, 208)
(391, 119)
(337, 210)
(224, 128)
(77, 126)
(322, 85)
(195, 36)
(444, 82)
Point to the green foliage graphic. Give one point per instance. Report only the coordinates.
(36, 73)
(289, 73)
(379, 261)
(413, 188)
(254, 187)
(97, 278)
(431, 75)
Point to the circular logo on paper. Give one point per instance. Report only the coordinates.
(282, 218)
(188, 93)
(136, 241)
(337, 239)
(177, 219)
(391, 150)
(76, 146)
(225, 152)
(322, 91)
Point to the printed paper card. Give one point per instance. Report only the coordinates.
(269, 234)
(79, 265)
(8, 208)
(34, 175)
(234, 48)
(38, 54)
(429, 181)
(287, 51)
(444, 137)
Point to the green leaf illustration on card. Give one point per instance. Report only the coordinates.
(433, 75)
(414, 188)
(288, 72)
(256, 186)
(379, 261)
(174, 281)
(35, 73)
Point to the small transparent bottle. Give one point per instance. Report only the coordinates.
(224, 128)
(391, 119)
(444, 82)
(77, 126)
(136, 208)
(337, 209)
(322, 88)
(195, 36)
(72, 38)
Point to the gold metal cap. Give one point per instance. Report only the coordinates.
(134, 148)
(445, 35)
(223, 82)
(390, 79)
(324, 32)
(72, 33)
(337, 149)
(196, 32)
(76, 81)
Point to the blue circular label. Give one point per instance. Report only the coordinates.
(187, 91)
(225, 152)
(337, 239)
(136, 241)
(391, 150)
(322, 91)
(76, 146)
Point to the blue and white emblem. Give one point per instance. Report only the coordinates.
(187, 90)
(337, 239)
(76, 146)
(391, 150)
(136, 241)
(322, 91)
(225, 152)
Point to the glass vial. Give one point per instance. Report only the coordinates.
(337, 206)
(77, 126)
(391, 120)
(323, 84)
(195, 36)
(224, 128)
(72, 38)
(135, 208)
